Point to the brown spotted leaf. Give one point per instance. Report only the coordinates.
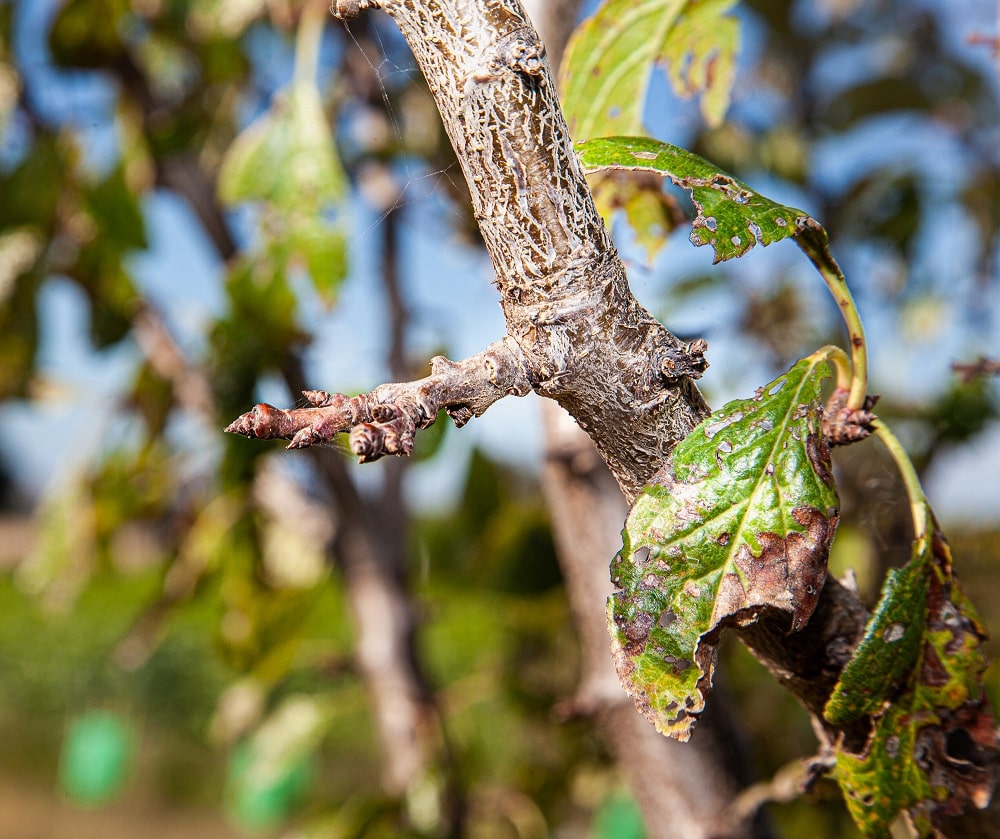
(918, 670)
(738, 522)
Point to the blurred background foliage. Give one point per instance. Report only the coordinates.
(197, 588)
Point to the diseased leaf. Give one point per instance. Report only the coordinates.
(732, 217)
(649, 211)
(889, 649)
(611, 57)
(739, 521)
(935, 711)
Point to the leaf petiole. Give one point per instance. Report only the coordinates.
(919, 507)
(841, 363)
(812, 239)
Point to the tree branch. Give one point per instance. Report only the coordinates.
(586, 340)
(386, 420)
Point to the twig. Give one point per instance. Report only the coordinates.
(982, 366)
(386, 420)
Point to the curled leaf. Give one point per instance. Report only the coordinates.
(918, 670)
(732, 217)
(737, 523)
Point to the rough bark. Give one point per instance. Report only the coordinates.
(586, 340)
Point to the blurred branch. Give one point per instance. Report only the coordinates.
(386, 420)
(788, 783)
(982, 366)
(680, 788)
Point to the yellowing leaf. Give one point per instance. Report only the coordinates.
(611, 56)
(650, 212)
(919, 671)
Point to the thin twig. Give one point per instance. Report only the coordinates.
(386, 420)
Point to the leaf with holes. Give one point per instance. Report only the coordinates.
(920, 667)
(611, 57)
(732, 217)
(737, 523)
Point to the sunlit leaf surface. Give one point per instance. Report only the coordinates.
(287, 160)
(612, 55)
(739, 521)
(732, 217)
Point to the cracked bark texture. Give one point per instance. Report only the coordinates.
(587, 341)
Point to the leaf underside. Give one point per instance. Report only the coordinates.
(738, 522)
(732, 217)
(612, 55)
(918, 670)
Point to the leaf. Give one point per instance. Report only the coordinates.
(732, 217)
(324, 252)
(737, 523)
(889, 649)
(611, 56)
(649, 211)
(920, 664)
(286, 157)
(115, 209)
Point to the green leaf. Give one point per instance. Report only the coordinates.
(920, 664)
(31, 190)
(324, 251)
(611, 57)
(286, 157)
(889, 649)
(732, 217)
(115, 209)
(737, 523)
